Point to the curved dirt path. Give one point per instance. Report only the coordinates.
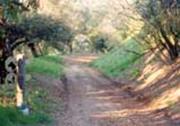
(93, 100)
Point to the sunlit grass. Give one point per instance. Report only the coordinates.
(46, 65)
(35, 97)
(118, 60)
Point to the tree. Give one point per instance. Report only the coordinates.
(39, 28)
(100, 43)
(161, 29)
(10, 37)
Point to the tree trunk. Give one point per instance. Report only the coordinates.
(33, 49)
(171, 48)
(70, 47)
(21, 81)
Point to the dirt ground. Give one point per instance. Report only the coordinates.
(94, 100)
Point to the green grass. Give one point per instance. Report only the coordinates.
(10, 116)
(46, 65)
(116, 61)
(37, 100)
(36, 97)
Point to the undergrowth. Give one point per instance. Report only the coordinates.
(46, 65)
(36, 97)
(10, 116)
(119, 59)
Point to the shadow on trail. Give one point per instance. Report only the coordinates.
(94, 100)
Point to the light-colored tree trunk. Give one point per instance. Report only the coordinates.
(20, 80)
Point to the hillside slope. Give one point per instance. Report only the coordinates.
(147, 80)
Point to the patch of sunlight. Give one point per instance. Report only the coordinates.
(150, 58)
(102, 93)
(106, 27)
(155, 76)
(96, 92)
(135, 26)
(108, 105)
(150, 75)
(47, 8)
(84, 59)
(119, 114)
(166, 99)
(107, 97)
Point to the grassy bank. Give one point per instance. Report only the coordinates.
(10, 116)
(46, 65)
(37, 96)
(119, 59)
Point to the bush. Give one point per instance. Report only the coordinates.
(46, 65)
(10, 116)
(118, 60)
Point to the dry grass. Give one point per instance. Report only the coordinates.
(158, 87)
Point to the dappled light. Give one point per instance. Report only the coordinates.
(85, 59)
(166, 99)
(89, 63)
(82, 59)
(120, 114)
(150, 75)
(111, 108)
(159, 87)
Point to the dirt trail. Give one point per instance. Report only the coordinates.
(93, 100)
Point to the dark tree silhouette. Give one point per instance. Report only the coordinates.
(161, 24)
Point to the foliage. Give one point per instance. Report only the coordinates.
(37, 97)
(46, 65)
(82, 43)
(10, 35)
(117, 60)
(10, 10)
(99, 43)
(161, 29)
(10, 116)
(31, 28)
(42, 28)
(28, 31)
